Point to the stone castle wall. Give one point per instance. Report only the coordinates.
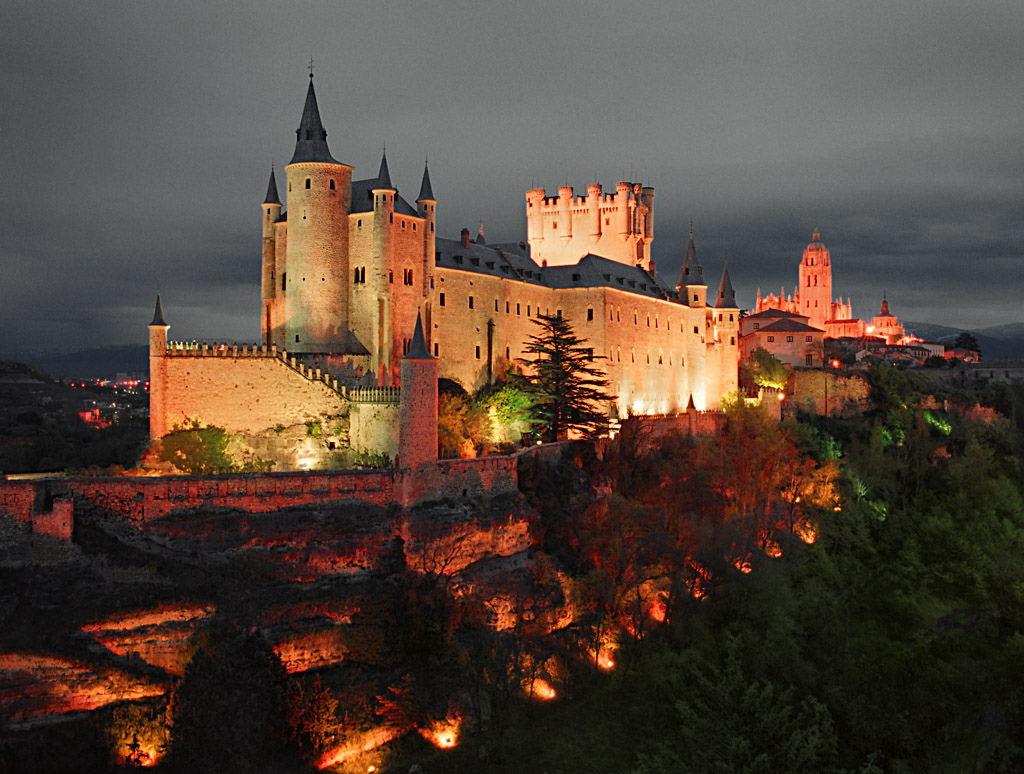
(243, 391)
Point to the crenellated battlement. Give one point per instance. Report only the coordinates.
(563, 228)
(218, 349)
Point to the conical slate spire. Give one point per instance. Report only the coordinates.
(272, 197)
(693, 274)
(480, 240)
(158, 313)
(426, 192)
(383, 175)
(726, 295)
(418, 348)
(885, 307)
(310, 137)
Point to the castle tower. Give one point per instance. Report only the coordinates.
(417, 437)
(314, 279)
(158, 373)
(383, 257)
(816, 284)
(425, 206)
(271, 214)
(692, 287)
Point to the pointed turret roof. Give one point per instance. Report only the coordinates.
(426, 192)
(158, 313)
(310, 137)
(693, 274)
(726, 295)
(480, 240)
(272, 197)
(418, 348)
(885, 307)
(383, 175)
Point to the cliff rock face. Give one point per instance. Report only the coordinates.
(34, 688)
(159, 637)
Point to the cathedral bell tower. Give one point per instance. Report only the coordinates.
(816, 284)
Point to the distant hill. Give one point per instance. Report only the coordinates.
(996, 341)
(103, 363)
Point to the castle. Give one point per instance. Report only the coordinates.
(352, 266)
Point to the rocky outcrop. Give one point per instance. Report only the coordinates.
(35, 688)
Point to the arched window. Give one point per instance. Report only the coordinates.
(307, 183)
(332, 185)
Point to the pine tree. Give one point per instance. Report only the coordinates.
(568, 391)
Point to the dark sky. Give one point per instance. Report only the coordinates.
(137, 138)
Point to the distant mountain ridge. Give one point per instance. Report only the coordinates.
(996, 341)
(102, 363)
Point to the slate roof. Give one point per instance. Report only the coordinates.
(426, 192)
(787, 326)
(726, 295)
(310, 137)
(512, 262)
(158, 313)
(775, 313)
(362, 197)
(272, 196)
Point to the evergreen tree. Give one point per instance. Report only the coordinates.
(568, 391)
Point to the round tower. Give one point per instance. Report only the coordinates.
(417, 436)
(158, 373)
(314, 279)
(271, 214)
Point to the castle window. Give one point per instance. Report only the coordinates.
(634, 317)
(719, 317)
(413, 226)
(431, 228)
(431, 283)
(435, 349)
(756, 326)
(659, 360)
(590, 354)
(407, 276)
(632, 356)
(771, 338)
(517, 309)
(477, 351)
(506, 353)
(403, 224)
(471, 302)
(391, 277)
(696, 329)
(555, 224)
(607, 221)
(575, 277)
(505, 269)
(730, 317)
(611, 315)
(284, 279)
(359, 223)
(590, 314)
(506, 307)
(694, 296)
(648, 321)
(808, 360)
(307, 183)
(391, 217)
(437, 258)
(457, 259)
(807, 338)
(309, 134)
(495, 305)
(296, 338)
(332, 185)
(527, 310)
(440, 300)
(732, 340)
(789, 338)
(289, 187)
(490, 264)
(618, 354)
(475, 261)
(648, 358)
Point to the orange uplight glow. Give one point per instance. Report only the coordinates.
(743, 566)
(773, 549)
(806, 533)
(658, 610)
(605, 660)
(442, 734)
(542, 689)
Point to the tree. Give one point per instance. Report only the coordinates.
(568, 391)
(965, 340)
(765, 370)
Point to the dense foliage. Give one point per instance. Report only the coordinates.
(569, 391)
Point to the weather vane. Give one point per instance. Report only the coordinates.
(311, 67)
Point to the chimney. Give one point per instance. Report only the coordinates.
(465, 237)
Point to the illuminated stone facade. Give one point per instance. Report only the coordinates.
(351, 264)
